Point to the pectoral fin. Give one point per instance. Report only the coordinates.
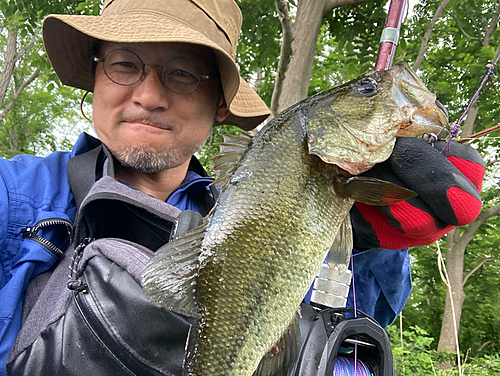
(371, 191)
(169, 278)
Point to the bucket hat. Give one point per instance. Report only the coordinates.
(70, 39)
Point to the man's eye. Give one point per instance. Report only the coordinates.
(181, 76)
(181, 73)
(124, 65)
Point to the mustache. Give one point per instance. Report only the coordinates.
(149, 119)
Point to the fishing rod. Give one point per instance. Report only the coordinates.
(390, 34)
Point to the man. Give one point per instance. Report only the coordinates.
(162, 74)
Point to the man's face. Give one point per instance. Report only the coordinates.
(147, 126)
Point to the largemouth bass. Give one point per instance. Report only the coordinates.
(245, 271)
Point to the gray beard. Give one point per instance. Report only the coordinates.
(147, 159)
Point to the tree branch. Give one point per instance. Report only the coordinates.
(9, 63)
(473, 19)
(285, 53)
(492, 27)
(481, 348)
(330, 4)
(483, 261)
(17, 94)
(462, 29)
(427, 35)
(28, 45)
(492, 162)
(483, 217)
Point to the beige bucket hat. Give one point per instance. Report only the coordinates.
(69, 40)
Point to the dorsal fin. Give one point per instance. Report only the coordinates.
(169, 278)
(241, 137)
(231, 150)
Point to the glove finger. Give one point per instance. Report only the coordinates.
(467, 160)
(395, 225)
(405, 226)
(415, 215)
(450, 196)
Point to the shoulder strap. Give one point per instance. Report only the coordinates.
(83, 173)
(82, 170)
(205, 200)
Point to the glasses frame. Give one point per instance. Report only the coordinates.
(201, 77)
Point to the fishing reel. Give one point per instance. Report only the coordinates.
(339, 341)
(334, 342)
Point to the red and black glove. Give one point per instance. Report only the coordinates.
(448, 195)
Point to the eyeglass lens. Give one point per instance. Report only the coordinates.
(126, 68)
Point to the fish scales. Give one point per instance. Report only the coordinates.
(297, 192)
(245, 271)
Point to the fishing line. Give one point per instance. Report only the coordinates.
(347, 366)
(444, 276)
(454, 130)
(355, 313)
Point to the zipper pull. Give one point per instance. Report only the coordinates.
(27, 232)
(74, 283)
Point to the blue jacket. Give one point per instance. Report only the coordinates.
(34, 188)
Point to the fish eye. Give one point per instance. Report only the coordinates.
(367, 87)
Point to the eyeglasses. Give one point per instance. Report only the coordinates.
(125, 68)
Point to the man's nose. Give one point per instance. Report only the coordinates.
(150, 92)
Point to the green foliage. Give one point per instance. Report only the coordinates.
(414, 355)
(42, 120)
(46, 113)
(33, 11)
(259, 45)
(348, 44)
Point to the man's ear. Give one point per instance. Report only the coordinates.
(222, 110)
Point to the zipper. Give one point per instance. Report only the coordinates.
(151, 222)
(96, 335)
(31, 233)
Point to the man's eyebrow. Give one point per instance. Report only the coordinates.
(201, 60)
(197, 60)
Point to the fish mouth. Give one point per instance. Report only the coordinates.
(424, 113)
(425, 120)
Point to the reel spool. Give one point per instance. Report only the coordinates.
(328, 340)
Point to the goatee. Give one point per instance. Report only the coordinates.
(145, 158)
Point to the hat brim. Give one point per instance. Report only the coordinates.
(246, 106)
(69, 40)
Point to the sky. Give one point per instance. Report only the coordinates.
(411, 4)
